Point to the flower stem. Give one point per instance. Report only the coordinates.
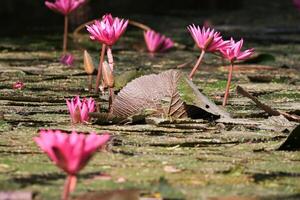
(110, 58)
(99, 75)
(197, 65)
(228, 84)
(90, 82)
(70, 184)
(65, 42)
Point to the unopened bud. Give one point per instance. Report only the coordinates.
(108, 76)
(88, 63)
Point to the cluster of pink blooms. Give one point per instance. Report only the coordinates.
(157, 42)
(64, 7)
(208, 40)
(80, 109)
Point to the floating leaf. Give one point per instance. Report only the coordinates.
(88, 63)
(170, 94)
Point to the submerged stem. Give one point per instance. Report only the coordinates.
(193, 72)
(99, 75)
(228, 84)
(70, 184)
(65, 40)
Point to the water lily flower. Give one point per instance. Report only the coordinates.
(156, 42)
(64, 7)
(107, 31)
(207, 40)
(80, 109)
(67, 60)
(70, 152)
(232, 52)
(18, 85)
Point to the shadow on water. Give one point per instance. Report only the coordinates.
(45, 179)
(260, 177)
(111, 195)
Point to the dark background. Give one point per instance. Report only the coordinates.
(22, 16)
(32, 16)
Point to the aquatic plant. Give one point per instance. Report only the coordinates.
(232, 52)
(64, 7)
(70, 152)
(107, 32)
(67, 59)
(207, 40)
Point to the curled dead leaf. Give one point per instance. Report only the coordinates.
(169, 94)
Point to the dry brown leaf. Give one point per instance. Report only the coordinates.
(170, 94)
(157, 92)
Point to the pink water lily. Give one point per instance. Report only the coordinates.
(80, 109)
(233, 52)
(70, 152)
(207, 40)
(157, 42)
(297, 4)
(108, 30)
(64, 7)
(67, 60)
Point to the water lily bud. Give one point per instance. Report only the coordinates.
(108, 76)
(88, 63)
